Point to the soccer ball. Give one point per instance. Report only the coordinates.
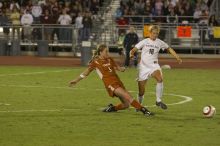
(209, 111)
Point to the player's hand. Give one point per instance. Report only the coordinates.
(131, 55)
(179, 60)
(72, 83)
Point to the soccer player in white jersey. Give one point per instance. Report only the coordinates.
(148, 66)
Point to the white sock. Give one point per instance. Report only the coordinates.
(140, 98)
(159, 91)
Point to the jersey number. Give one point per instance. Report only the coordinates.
(110, 70)
(151, 51)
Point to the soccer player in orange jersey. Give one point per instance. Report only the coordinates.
(106, 69)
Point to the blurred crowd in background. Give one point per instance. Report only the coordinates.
(20, 18)
(17, 13)
(170, 12)
(195, 10)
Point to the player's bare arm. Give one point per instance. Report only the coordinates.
(172, 52)
(118, 67)
(132, 52)
(80, 77)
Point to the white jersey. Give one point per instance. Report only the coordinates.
(150, 50)
(149, 56)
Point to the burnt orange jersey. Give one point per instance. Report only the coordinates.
(105, 68)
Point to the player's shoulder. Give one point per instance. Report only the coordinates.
(144, 40)
(95, 60)
(110, 58)
(159, 40)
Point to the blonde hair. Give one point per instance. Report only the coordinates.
(154, 27)
(96, 53)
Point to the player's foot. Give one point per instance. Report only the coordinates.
(146, 112)
(161, 105)
(110, 108)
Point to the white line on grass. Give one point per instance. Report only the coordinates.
(45, 87)
(4, 104)
(46, 110)
(186, 98)
(34, 73)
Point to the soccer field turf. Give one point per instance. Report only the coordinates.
(37, 108)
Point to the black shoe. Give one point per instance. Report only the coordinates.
(146, 112)
(110, 108)
(162, 105)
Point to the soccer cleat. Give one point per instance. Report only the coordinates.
(110, 108)
(146, 112)
(161, 104)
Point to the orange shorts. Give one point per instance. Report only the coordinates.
(111, 88)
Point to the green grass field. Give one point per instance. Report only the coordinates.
(37, 108)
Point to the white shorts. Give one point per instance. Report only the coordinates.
(145, 71)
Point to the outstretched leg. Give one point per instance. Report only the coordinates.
(127, 100)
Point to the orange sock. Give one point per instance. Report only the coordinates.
(119, 107)
(136, 104)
